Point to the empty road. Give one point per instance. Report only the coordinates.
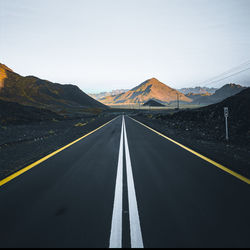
(125, 186)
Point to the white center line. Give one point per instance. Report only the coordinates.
(116, 228)
(135, 227)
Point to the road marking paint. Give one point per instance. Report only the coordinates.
(135, 227)
(223, 168)
(117, 217)
(116, 228)
(22, 171)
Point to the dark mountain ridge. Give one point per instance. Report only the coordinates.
(221, 94)
(32, 91)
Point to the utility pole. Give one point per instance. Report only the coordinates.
(178, 101)
(226, 114)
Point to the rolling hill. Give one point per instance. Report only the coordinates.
(150, 89)
(32, 91)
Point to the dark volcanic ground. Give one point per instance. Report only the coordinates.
(21, 145)
(202, 130)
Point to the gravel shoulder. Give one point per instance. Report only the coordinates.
(21, 145)
(235, 156)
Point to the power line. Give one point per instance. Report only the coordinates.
(226, 73)
(237, 73)
(229, 71)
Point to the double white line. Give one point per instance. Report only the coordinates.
(116, 228)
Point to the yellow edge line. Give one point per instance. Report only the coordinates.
(22, 171)
(225, 169)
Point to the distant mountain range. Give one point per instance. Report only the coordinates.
(197, 90)
(185, 91)
(105, 94)
(32, 91)
(153, 89)
(150, 89)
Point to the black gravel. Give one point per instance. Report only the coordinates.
(21, 145)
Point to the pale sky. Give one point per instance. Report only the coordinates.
(102, 45)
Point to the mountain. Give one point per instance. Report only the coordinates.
(221, 94)
(3, 74)
(32, 91)
(198, 90)
(150, 89)
(153, 103)
(101, 95)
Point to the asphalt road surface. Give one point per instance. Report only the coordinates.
(125, 186)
